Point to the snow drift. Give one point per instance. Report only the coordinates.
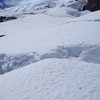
(57, 53)
(52, 80)
(52, 36)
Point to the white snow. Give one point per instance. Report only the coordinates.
(31, 5)
(5, 13)
(41, 32)
(66, 52)
(25, 6)
(63, 12)
(52, 80)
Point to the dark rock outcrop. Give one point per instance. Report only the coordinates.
(92, 5)
(2, 35)
(5, 18)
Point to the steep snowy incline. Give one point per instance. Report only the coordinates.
(52, 80)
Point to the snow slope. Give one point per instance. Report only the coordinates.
(5, 13)
(60, 52)
(52, 80)
(33, 32)
(26, 6)
(33, 37)
(31, 5)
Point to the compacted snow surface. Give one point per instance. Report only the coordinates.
(59, 50)
(52, 79)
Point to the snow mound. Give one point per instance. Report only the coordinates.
(49, 37)
(63, 12)
(52, 80)
(86, 53)
(90, 54)
(33, 32)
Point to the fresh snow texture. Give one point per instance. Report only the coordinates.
(60, 52)
(63, 12)
(35, 37)
(41, 33)
(52, 80)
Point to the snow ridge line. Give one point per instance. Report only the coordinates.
(90, 54)
(96, 20)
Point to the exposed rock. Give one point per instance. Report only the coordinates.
(2, 35)
(92, 5)
(5, 18)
